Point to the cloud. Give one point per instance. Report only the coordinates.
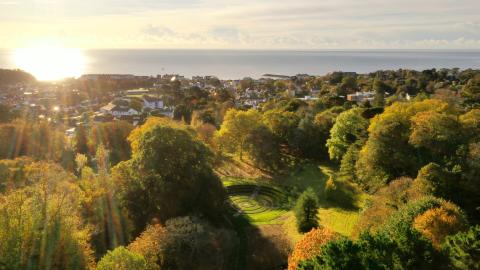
(158, 31)
(300, 24)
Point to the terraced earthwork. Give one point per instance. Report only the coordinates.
(261, 204)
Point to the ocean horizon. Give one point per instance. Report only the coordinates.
(236, 64)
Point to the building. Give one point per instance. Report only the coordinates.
(95, 77)
(140, 91)
(118, 111)
(361, 96)
(152, 102)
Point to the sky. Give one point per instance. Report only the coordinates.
(241, 24)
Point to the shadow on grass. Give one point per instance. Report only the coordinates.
(255, 251)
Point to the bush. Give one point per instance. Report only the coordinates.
(121, 259)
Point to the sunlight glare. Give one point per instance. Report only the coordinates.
(50, 64)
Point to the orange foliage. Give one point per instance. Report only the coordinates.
(438, 223)
(148, 244)
(310, 246)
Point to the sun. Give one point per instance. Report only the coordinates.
(50, 64)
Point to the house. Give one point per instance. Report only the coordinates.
(361, 96)
(117, 110)
(152, 102)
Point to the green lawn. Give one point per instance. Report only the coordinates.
(338, 214)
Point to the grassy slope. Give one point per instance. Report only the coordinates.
(339, 217)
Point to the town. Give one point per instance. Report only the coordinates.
(131, 98)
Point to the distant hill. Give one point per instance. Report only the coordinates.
(13, 76)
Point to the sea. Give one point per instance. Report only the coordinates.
(236, 64)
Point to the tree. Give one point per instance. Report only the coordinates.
(438, 223)
(463, 249)
(306, 210)
(113, 136)
(377, 251)
(121, 259)
(136, 104)
(436, 132)
(40, 224)
(263, 148)
(387, 154)
(170, 174)
(471, 91)
(310, 138)
(185, 243)
(437, 181)
(235, 129)
(281, 123)
(349, 127)
(5, 113)
(380, 88)
(387, 201)
(470, 122)
(349, 159)
(81, 141)
(310, 246)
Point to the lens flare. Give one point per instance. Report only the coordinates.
(50, 64)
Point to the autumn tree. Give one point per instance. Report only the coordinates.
(438, 223)
(185, 243)
(113, 136)
(81, 140)
(388, 153)
(310, 246)
(41, 223)
(236, 127)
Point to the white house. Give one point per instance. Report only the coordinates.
(152, 102)
(116, 110)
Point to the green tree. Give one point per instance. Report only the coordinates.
(264, 148)
(471, 91)
(306, 210)
(377, 251)
(122, 259)
(380, 88)
(170, 174)
(349, 127)
(463, 249)
(281, 123)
